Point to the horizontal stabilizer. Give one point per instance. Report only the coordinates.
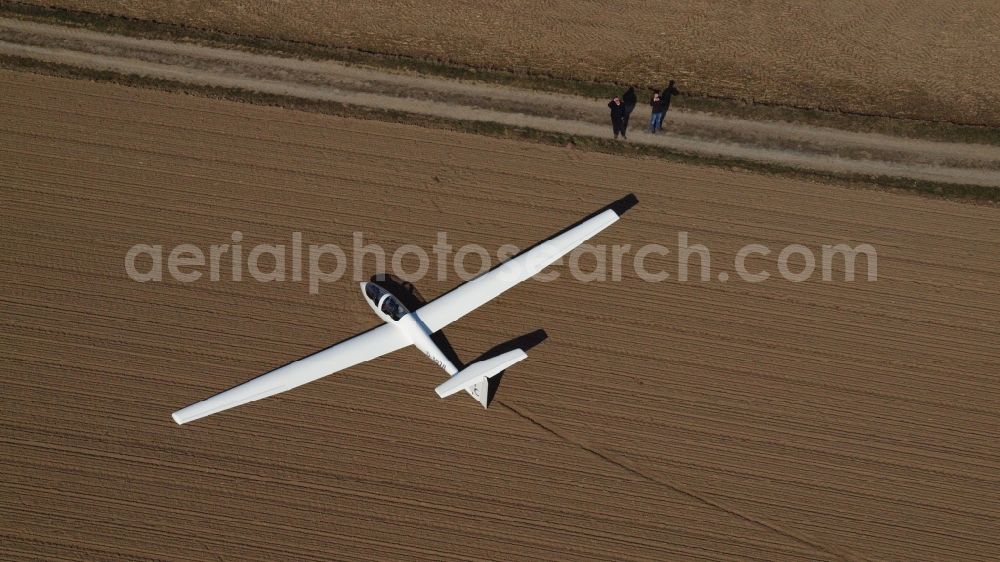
(478, 372)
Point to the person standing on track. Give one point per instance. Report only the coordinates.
(659, 109)
(617, 116)
(629, 100)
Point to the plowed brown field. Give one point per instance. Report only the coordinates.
(815, 420)
(929, 60)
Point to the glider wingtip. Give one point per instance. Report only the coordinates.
(624, 204)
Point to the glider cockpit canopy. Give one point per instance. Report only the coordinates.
(385, 301)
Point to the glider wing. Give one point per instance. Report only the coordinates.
(467, 297)
(358, 349)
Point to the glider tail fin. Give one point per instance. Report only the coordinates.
(475, 378)
(480, 391)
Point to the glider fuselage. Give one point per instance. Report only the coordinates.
(389, 308)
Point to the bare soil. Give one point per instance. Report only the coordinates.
(927, 60)
(795, 146)
(775, 421)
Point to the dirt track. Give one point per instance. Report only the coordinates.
(786, 144)
(930, 60)
(659, 421)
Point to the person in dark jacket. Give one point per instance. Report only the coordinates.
(659, 109)
(660, 106)
(617, 116)
(629, 100)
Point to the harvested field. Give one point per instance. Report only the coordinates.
(779, 420)
(926, 60)
(952, 168)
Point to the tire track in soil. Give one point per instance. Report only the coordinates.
(624, 465)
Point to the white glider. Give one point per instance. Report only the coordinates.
(403, 327)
